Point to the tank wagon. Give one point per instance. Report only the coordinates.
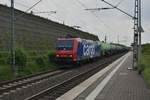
(76, 50)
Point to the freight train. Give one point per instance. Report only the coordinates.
(77, 50)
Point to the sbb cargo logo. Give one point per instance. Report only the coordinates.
(89, 50)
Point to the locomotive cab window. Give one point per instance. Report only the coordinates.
(64, 45)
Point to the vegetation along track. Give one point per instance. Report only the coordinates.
(58, 89)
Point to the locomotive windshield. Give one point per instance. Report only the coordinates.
(64, 45)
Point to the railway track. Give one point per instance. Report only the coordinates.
(53, 92)
(23, 78)
(13, 84)
(48, 86)
(57, 90)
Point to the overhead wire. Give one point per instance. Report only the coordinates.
(106, 25)
(66, 10)
(53, 2)
(46, 12)
(95, 16)
(23, 5)
(99, 21)
(33, 6)
(29, 9)
(83, 5)
(119, 3)
(62, 10)
(81, 20)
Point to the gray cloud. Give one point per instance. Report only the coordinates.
(101, 23)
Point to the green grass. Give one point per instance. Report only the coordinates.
(144, 65)
(32, 66)
(5, 72)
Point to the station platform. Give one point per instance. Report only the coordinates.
(114, 82)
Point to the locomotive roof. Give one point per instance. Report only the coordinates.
(78, 39)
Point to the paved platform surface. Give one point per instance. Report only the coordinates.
(125, 85)
(118, 83)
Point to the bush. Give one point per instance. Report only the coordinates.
(5, 72)
(1, 55)
(2, 61)
(20, 58)
(144, 63)
(141, 68)
(146, 48)
(40, 62)
(51, 56)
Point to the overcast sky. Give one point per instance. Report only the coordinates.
(111, 23)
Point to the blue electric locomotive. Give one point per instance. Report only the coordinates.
(77, 49)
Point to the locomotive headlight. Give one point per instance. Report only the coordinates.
(57, 55)
(70, 55)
